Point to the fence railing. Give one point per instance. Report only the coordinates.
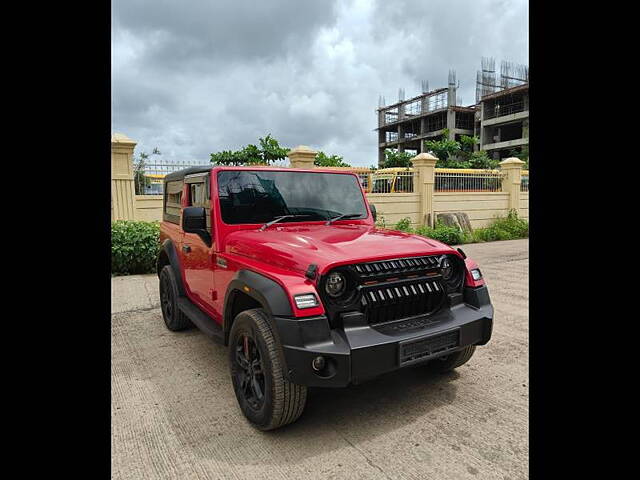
(392, 182)
(467, 180)
(501, 110)
(524, 181)
(150, 179)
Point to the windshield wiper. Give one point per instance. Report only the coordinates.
(277, 219)
(344, 215)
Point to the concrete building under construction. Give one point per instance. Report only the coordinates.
(499, 118)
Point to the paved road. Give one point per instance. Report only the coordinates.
(174, 414)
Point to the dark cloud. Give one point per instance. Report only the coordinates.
(196, 77)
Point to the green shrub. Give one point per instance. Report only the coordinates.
(505, 228)
(134, 247)
(404, 225)
(442, 233)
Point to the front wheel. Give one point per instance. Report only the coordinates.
(267, 399)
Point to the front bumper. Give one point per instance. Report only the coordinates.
(359, 351)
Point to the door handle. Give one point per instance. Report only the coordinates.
(186, 248)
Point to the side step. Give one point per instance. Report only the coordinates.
(201, 320)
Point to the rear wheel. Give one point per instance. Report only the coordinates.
(267, 399)
(174, 319)
(450, 362)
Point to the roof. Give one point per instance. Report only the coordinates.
(180, 174)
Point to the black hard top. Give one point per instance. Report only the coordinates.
(180, 174)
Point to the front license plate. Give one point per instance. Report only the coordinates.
(411, 351)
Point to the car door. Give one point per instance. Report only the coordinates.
(196, 253)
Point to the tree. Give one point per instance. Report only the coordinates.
(268, 152)
(480, 159)
(394, 158)
(139, 166)
(446, 150)
(522, 155)
(323, 160)
(459, 154)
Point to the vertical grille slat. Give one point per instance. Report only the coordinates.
(386, 303)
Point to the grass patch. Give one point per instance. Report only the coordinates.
(502, 228)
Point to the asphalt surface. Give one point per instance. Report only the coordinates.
(174, 414)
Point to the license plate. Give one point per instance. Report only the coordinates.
(411, 351)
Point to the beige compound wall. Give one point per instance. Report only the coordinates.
(393, 207)
(524, 205)
(481, 207)
(148, 208)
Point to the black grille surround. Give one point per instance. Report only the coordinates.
(390, 290)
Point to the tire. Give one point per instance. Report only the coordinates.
(174, 319)
(251, 341)
(450, 362)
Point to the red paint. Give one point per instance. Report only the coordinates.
(284, 251)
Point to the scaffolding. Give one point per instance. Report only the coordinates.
(511, 75)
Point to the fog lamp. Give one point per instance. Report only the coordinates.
(318, 363)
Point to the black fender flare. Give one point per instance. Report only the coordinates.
(264, 290)
(169, 249)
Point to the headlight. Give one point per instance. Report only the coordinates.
(336, 284)
(452, 271)
(306, 300)
(476, 274)
(445, 268)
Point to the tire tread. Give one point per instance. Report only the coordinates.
(289, 399)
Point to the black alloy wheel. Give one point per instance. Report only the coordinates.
(166, 298)
(174, 318)
(249, 372)
(258, 374)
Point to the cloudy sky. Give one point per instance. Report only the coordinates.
(193, 77)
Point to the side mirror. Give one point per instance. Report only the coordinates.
(374, 212)
(194, 220)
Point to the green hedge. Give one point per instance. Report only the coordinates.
(134, 247)
(503, 228)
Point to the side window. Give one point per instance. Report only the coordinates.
(173, 198)
(199, 195)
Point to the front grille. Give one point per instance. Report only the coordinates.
(386, 302)
(390, 290)
(398, 266)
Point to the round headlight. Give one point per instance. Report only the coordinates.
(446, 269)
(336, 284)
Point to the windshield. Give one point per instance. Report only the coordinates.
(248, 196)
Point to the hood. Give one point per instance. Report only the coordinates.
(295, 247)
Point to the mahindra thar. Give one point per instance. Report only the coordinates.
(287, 268)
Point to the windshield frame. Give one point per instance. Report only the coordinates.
(366, 219)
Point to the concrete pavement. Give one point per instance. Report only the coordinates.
(174, 414)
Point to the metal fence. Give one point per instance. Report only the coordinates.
(149, 177)
(524, 182)
(391, 182)
(467, 180)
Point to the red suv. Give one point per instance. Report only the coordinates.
(288, 269)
